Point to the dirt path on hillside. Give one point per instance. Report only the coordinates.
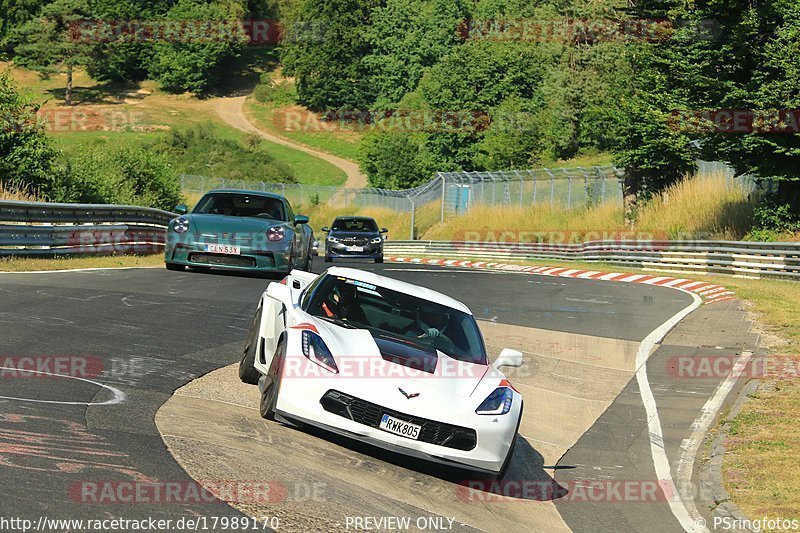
(230, 110)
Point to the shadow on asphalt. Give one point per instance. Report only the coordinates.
(526, 478)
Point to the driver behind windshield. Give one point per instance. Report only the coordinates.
(342, 303)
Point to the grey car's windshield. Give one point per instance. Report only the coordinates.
(241, 205)
(396, 315)
(355, 224)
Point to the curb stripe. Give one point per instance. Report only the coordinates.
(710, 292)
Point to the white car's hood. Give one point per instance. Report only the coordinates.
(359, 357)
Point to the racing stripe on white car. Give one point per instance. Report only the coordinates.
(708, 291)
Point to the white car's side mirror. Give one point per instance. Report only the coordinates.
(280, 292)
(508, 357)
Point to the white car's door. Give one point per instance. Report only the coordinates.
(273, 321)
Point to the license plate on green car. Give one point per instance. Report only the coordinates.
(223, 249)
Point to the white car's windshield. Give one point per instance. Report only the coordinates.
(396, 316)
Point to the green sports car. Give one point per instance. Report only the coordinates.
(240, 230)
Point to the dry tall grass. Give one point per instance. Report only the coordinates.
(13, 193)
(699, 207)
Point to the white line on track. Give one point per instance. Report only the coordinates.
(700, 426)
(657, 450)
(119, 396)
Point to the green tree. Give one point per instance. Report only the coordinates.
(27, 161)
(196, 62)
(48, 43)
(13, 13)
(406, 37)
(324, 49)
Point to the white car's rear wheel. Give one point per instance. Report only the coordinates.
(269, 396)
(247, 371)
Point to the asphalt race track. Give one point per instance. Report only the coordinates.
(67, 445)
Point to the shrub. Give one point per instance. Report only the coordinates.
(121, 176)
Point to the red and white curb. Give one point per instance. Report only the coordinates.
(708, 291)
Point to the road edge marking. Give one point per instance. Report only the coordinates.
(657, 451)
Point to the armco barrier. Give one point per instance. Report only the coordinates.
(47, 229)
(755, 259)
(39, 229)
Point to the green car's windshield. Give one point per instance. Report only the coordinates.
(395, 315)
(241, 205)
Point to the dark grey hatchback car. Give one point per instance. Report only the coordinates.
(354, 238)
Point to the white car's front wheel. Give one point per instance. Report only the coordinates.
(510, 456)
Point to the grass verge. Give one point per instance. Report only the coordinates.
(22, 264)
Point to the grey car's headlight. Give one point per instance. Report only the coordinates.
(181, 225)
(376, 240)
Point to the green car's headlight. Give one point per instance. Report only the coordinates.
(376, 240)
(181, 225)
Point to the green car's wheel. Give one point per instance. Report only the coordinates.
(269, 398)
(328, 259)
(175, 266)
(247, 370)
(379, 259)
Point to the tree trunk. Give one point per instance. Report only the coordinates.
(68, 95)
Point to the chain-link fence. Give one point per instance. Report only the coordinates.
(751, 184)
(565, 187)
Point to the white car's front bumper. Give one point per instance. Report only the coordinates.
(302, 390)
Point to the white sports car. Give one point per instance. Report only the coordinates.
(386, 362)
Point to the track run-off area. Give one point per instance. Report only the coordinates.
(119, 399)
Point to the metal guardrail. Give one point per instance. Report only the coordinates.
(40, 229)
(754, 259)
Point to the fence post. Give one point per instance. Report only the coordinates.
(603, 190)
(413, 209)
(569, 192)
(443, 197)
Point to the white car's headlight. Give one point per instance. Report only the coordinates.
(181, 225)
(498, 402)
(315, 349)
(376, 240)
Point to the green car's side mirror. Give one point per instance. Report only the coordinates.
(326, 229)
(384, 230)
(300, 219)
(181, 209)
